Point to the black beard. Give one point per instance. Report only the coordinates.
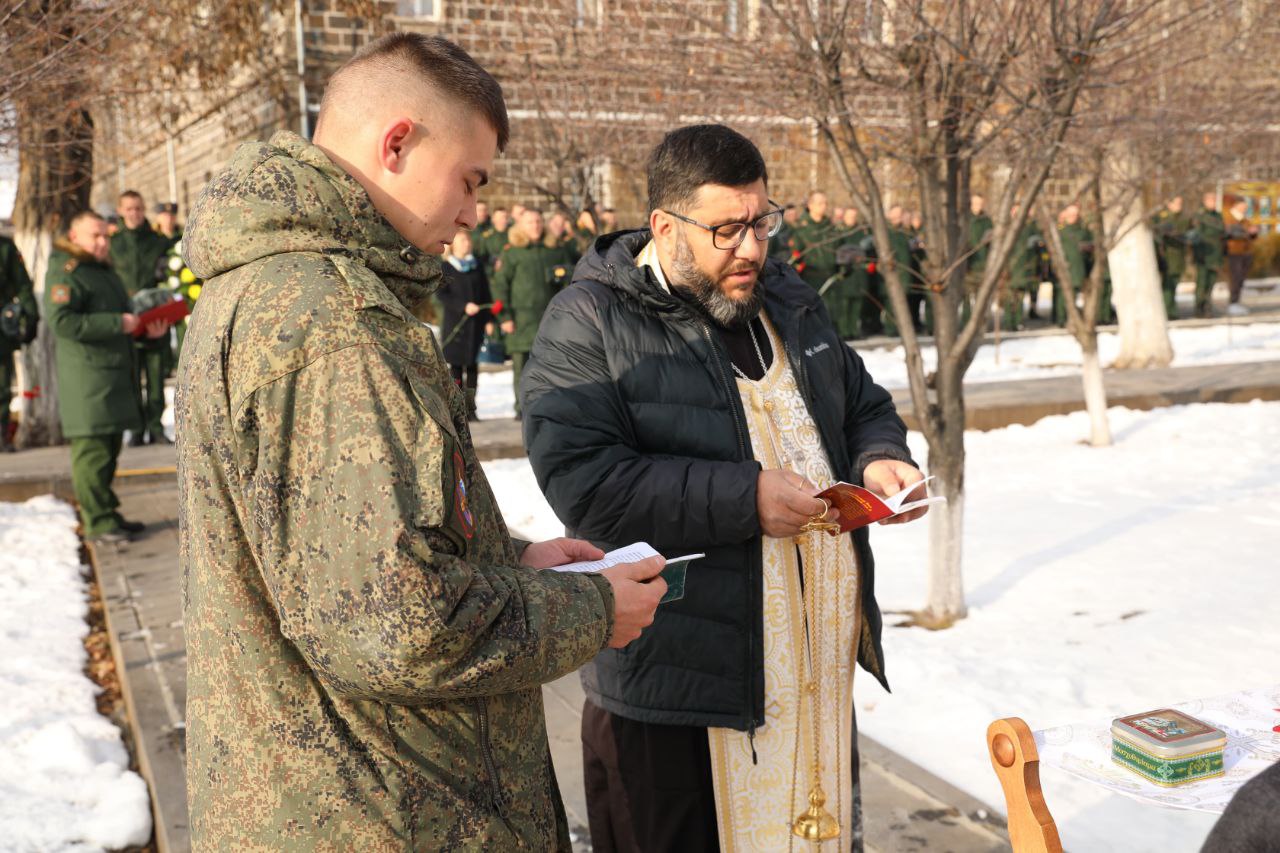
(699, 288)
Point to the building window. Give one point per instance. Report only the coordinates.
(429, 9)
(589, 12)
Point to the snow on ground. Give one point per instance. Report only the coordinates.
(1059, 355)
(64, 778)
(1020, 358)
(1099, 582)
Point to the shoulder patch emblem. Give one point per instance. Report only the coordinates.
(461, 508)
(60, 294)
(70, 265)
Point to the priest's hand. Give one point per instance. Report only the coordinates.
(887, 477)
(558, 552)
(637, 590)
(785, 503)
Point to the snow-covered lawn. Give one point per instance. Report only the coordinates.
(1021, 358)
(64, 778)
(1100, 582)
(1059, 355)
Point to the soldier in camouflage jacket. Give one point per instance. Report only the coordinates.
(365, 651)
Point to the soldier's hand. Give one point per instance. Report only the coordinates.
(887, 477)
(557, 552)
(128, 323)
(637, 589)
(785, 503)
(509, 327)
(157, 328)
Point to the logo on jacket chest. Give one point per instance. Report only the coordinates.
(812, 351)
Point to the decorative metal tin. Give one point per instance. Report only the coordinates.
(1168, 747)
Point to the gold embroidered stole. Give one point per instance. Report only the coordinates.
(756, 802)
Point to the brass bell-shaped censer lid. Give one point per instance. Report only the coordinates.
(816, 824)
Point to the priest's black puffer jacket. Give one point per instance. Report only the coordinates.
(635, 430)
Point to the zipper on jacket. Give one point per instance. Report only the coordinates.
(757, 607)
(491, 767)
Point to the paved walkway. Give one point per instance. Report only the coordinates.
(907, 808)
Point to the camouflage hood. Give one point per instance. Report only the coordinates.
(286, 195)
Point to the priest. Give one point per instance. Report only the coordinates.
(688, 391)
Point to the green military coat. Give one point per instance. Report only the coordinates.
(1211, 246)
(979, 242)
(135, 254)
(816, 242)
(364, 654)
(1171, 230)
(15, 283)
(83, 302)
(1024, 261)
(1075, 238)
(524, 280)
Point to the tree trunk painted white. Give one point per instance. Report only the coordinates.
(39, 422)
(1135, 275)
(944, 603)
(1095, 396)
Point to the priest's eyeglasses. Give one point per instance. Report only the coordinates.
(729, 235)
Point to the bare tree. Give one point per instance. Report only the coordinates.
(67, 67)
(967, 89)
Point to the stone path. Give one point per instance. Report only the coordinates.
(907, 808)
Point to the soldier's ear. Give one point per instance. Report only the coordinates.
(394, 143)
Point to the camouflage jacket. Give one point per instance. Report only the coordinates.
(365, 654)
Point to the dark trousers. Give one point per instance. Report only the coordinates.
(93, 467)
(1237, 269)
(7, 375)
(467, 376)
(1169, 284)
(1206, 277)
(153, 365)
(517, 367)
(649, 787)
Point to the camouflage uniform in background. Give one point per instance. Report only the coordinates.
(365, 656)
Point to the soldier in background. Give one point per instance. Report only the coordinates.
(780, 244)
(858, 252)
(1077, 248)
(482, 217)
(900, 245)
(814, 242)
(166, 213)
(532, 269)
(1171, 226)
(585, 230)
(980, 226)
(1024, 271)
(1207, 246)
(562, 235)
(366, 643)
(608, 220)
(492, 239)
(136, 253)
(19, 317)
(91, 317)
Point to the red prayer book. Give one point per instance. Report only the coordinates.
(170, 312)
(860, 507)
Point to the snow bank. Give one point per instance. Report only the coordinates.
(64, 777)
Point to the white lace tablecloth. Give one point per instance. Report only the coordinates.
(1250, 719)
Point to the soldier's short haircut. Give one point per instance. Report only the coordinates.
(447, 68)
(129, 194)
(81, 216)
(691, 157)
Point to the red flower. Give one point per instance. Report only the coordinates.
(871, 268)
(496, 307)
